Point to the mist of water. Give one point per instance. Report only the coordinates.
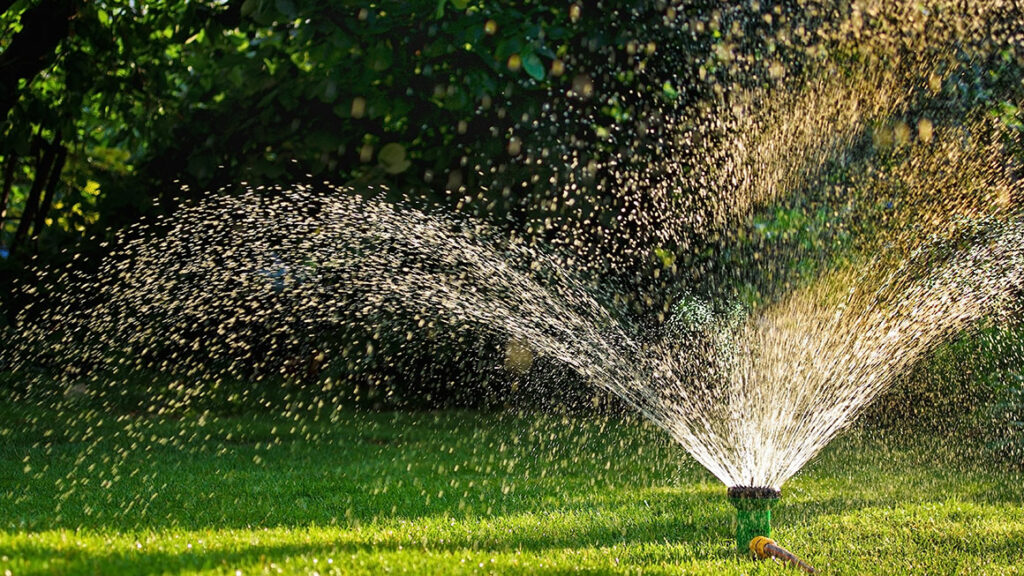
(923, 189)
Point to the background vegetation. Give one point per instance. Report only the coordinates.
(127, 108)
(111, 111)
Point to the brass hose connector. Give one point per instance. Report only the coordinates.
(763, 548)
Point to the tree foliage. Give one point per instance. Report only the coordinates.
(120, 109)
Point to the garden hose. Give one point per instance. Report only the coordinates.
(767, 548)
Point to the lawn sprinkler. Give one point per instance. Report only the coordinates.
(763, 548)
(753, 512)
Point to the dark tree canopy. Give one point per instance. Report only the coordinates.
(114, 110)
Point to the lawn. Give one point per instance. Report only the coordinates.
(86, 491)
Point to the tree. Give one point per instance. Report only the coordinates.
(449, 103)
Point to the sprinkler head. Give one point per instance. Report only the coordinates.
(754, 492)
(753, 512)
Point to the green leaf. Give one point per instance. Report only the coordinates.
(21, 136)
(460, 4)
(669, 91)
(248, 7)
(667, 257)
(379, 57)
(330, 91)
(533, 66)
(392, 158)
(286, 7)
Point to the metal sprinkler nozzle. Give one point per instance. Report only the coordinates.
(763, 548)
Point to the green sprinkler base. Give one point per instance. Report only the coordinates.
(753, 513)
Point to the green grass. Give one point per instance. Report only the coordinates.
(88, 492)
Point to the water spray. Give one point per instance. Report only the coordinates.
(764, 548)
(753, 512)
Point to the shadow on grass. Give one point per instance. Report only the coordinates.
(55, 559)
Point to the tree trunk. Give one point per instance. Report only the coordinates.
(51, 188)
(5, 194)
(32, 202)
